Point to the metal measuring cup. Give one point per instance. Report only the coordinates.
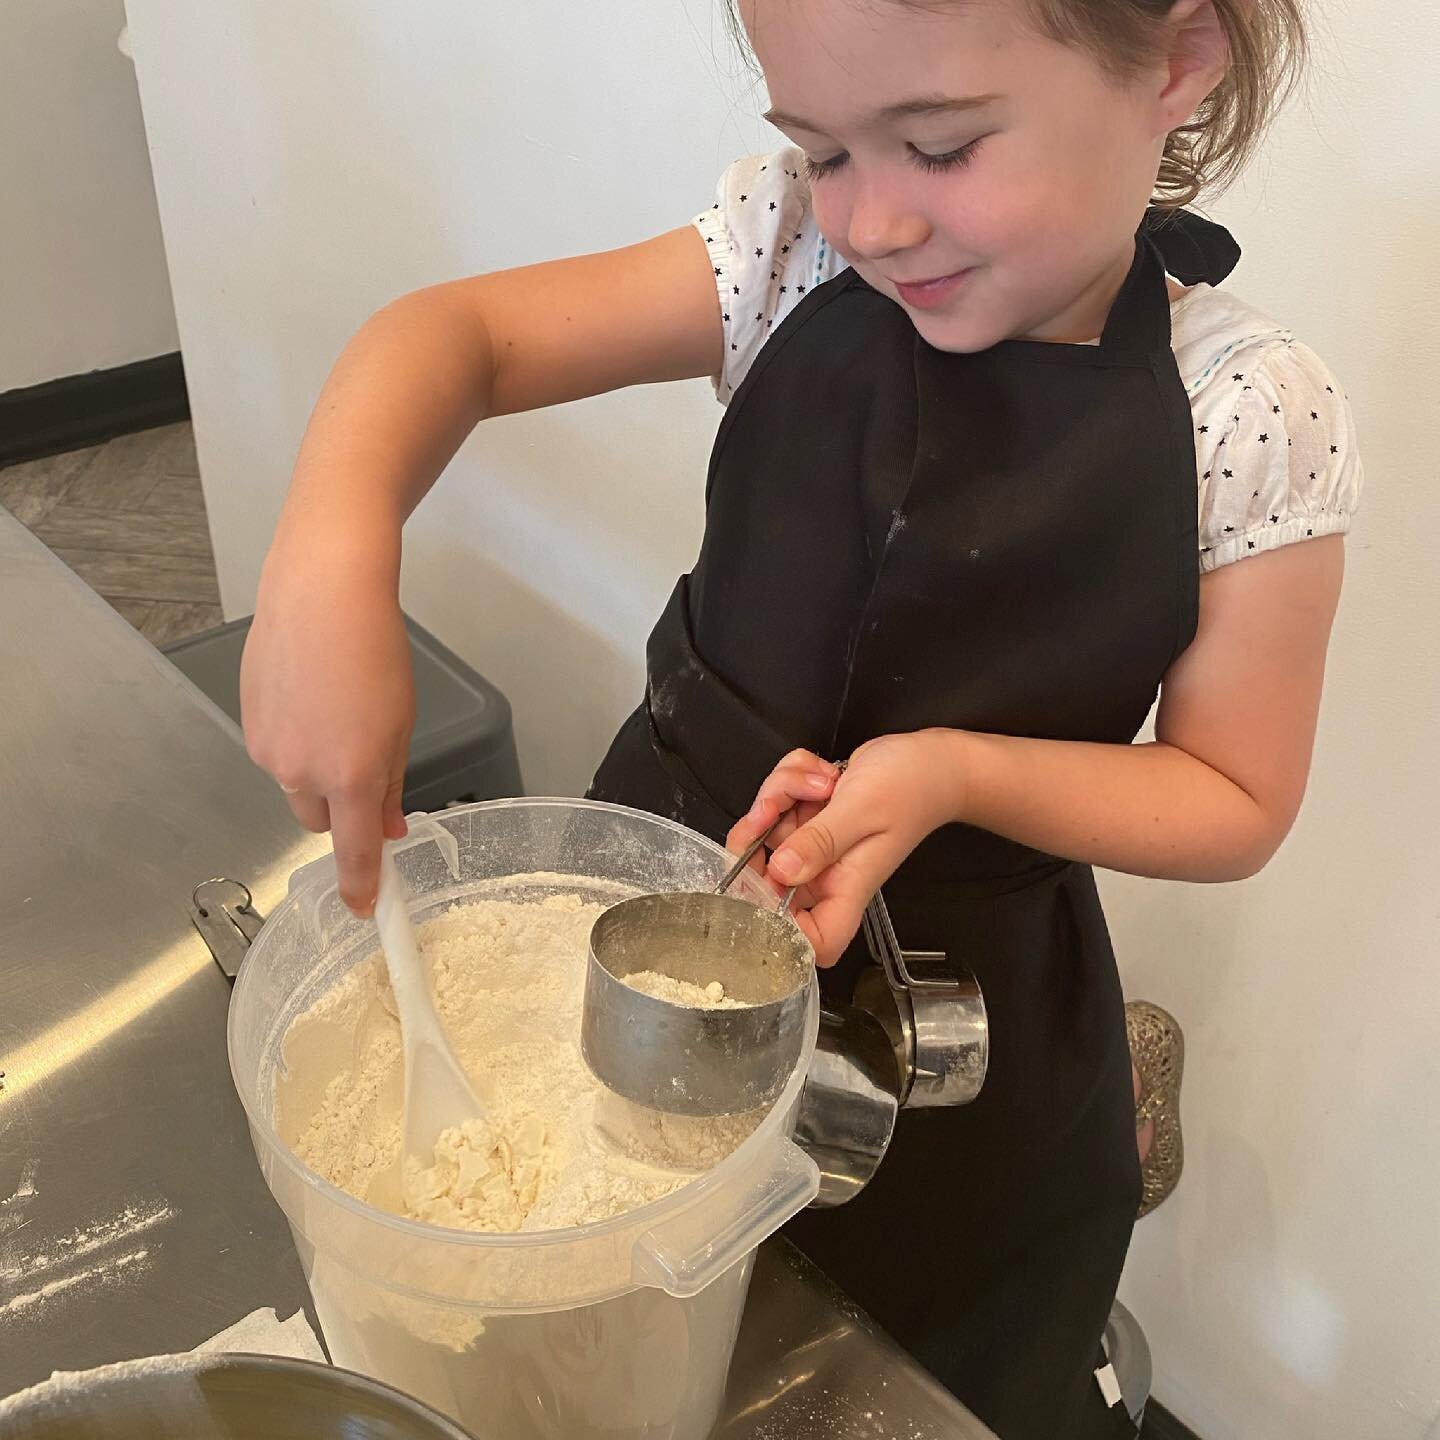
(685, 1059)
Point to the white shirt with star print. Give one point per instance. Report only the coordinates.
(1275, 450)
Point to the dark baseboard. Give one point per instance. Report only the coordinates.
(1160, 1424)
(81, 410)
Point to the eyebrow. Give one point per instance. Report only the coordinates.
(901, 110)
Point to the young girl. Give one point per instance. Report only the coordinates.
(998, 465)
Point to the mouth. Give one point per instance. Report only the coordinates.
(927, 294)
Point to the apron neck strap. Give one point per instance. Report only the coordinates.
(1139, 320)
(1186, 246)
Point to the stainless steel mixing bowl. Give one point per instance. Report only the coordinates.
(223, 1397)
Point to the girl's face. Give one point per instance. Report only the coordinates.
(987, 178)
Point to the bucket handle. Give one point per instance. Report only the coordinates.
(222, 909)
(684, 1254)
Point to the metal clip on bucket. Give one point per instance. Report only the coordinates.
(933, 1011)
(915, 1036)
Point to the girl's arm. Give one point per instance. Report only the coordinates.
(1210, 799)
(325, 684)
(1217, 791)
(420, 374)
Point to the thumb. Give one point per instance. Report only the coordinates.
(819, 843)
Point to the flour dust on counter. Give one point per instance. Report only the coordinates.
(109, 1251)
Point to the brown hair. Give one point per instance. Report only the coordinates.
(1266, 39)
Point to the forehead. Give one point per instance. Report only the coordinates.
(833, 59)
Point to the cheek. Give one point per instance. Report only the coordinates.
(990, 217)
(830, 202)
(1042, 210)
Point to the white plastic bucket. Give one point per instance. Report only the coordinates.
(618, 1329)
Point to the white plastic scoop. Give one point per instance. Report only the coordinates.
(438, 1095)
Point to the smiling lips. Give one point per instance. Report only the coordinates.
(927, 294)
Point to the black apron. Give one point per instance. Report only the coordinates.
(897, 537)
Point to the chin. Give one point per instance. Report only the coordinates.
(958, 334)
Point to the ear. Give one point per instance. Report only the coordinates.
(1197, 59)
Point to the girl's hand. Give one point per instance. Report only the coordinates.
(841, 836)
(327, 697)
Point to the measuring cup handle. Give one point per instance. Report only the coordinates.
(683, 1255)
(746, 856)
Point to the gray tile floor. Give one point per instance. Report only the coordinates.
(129, 518)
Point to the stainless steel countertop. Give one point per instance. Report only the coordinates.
(133, 1219)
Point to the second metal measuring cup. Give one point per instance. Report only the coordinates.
(684, 1059)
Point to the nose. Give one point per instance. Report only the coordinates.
(881, 222)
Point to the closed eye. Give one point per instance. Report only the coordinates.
(948, 159)
(819, 169)
(931, 164)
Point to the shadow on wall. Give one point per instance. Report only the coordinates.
(564, 726)
(545, 559)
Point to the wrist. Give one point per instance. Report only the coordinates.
(359, 557)
(948, 793)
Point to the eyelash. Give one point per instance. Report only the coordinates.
(931, 164)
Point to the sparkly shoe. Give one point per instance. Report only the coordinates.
(1157, 1049)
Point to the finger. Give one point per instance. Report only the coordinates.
(808, 759)
(392, 809)
(357, 823)
(788, 785)
(804, 897)
(831, 925)
(784, 788)
(790, 822)
(819, 843)
(748, 828)
(309, 809)
(762, 818)
(800, 776)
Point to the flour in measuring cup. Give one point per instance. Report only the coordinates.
(554, 1148)
(684, 992)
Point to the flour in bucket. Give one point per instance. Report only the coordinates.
(555, 1148)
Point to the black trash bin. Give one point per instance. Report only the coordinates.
(463, 746)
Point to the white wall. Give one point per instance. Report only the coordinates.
(312, 161)
(1292, 1286)
(82, 266)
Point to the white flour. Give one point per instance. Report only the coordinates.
(555, 1149)
(103, 1235)
(684, 992)
(101, 1273)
